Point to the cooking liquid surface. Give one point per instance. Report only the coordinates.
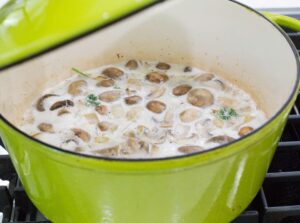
(140, 109)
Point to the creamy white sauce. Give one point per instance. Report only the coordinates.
(195, 133)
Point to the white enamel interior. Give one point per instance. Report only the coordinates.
(217, 35)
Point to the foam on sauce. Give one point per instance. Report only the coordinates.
(93, 115)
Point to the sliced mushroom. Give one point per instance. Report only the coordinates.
(112, 151)
(107, 126)
(75, 87)
(131, 64)
(40, 102)
(200, 97)
(157, 92)
(227, 102)
(189, 149)
(187, 69)
(204, 77)
(92, 118)
(101, 139)
(134, 84)
(218, 123)
(63, 111)
(181, 89)
(80, 133)
(157, 77)
(132, 100)
(216, 84)
(100, 78)
(181, 131)
(193, 138)
(163, 66)
(134, 113)
(102, 109)
(168, 119)
(245, 130)
(156, 106)
(110, 96)
(153, 136)
(113, 72)
(154, 149)
(45, 127)
(106, 83)
(189, 115)
(117, 111)
(221, 84)
(221, 139)
(63, 103)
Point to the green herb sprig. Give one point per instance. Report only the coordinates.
(92, 100)
(226, 113)
(81, 72)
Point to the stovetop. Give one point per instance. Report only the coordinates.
(278, 201)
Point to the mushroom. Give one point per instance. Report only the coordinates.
(163, 66)
(220, 139)
(181, 89)
(226, 102)
(188, 139)
(168, 119)
(75, 87)
(189, 149)
(157, 92)
(110, 96)
(134, 113)
(216, 84)
(245, 130)
(92, 118)
(105, 83)
(204, 77)
(101, 139)
(134, 84)
(187, 69)
(40, 102)
(80, 133)
(101, 109)
(200, 97)
(131, 100)
(62, 111)
(45, 127)
(153, 136)
(156, 106)
(189, 115)
(113, 72)
(112, 151)
(107, 126)
(131, 64)
(156, 77)
(63, 103)
(117, 111)
(181, 131)
(133, 145)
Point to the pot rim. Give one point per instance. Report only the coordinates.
(177, 157)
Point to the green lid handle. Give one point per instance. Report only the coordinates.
(284, 21)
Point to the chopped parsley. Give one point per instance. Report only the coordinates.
(80, 72)
(226, 113)
(92, 100)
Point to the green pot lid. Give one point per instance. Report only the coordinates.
(28, 27)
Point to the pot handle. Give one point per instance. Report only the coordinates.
(284, 21)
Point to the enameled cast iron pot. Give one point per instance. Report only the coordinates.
(211, 186)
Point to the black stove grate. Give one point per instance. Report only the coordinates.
(277, 202)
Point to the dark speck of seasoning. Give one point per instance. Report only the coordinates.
(187, 69)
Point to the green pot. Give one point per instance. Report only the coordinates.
(212, 186)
